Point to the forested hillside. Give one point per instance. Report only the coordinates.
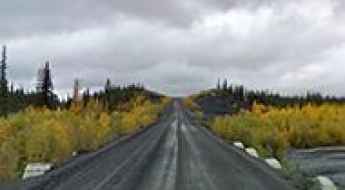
(228, 98)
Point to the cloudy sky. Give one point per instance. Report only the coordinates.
(178, 46)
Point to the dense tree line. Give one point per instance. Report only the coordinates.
(241, 94)
(13, 100)
(112, 96)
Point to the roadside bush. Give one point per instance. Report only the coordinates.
(142, 113)
(42, 135)
(190, 103)
(272, 131)
(9, 160)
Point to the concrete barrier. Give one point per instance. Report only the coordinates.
(74, 154)
(238, 145)
(36, 169)
(326, 183)
(274, 163)
(252, 152)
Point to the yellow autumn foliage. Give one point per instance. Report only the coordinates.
(42, 135)
(142, 113)
(190, 103)
(272, 130)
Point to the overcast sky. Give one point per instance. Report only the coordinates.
(178, 47)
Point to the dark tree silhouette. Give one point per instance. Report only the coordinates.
(225, 84)
(218, 84)
(45, 86)
(3, 83)
(107, 86)
(107, 90)
(76, 89)
(12, 89)
(241, 96)
(3, 79)
(86, 96)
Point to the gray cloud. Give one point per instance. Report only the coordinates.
(178, 47)
(36, 17)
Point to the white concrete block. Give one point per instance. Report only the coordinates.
(252, 152)
(36, 169)
(326, 183)
(239, 145)
(74, 154)
(274, 163)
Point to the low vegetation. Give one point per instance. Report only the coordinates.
(189, 102)
(44, 135)
(274, 130)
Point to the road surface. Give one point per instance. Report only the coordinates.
(173, 154)
(325, 161)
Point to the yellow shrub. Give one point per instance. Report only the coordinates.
(104, 127)
(190, 103)
(42, 135)
(274, 130)
(9, 160)
(143, 113)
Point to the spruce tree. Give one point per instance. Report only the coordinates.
(12, 89)
(107, 86)
(86, 96)
(218, 84)
(225, 84)
(3, 83)
(45, 86)
(107, 90)
(76, 89)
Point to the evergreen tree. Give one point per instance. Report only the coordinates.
(231, 90)
(76, 89)
(45, 86)
(241, 93)
(86, 96)
(225, 84)
(107, 87)
(3, 79)
(12, 89)
(3, 84)
(218, 84)
(107, 90)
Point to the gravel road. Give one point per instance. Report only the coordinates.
(173, 154)
(325, 161)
